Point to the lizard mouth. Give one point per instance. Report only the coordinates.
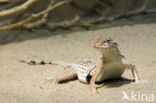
(95, 46)
(99, 47)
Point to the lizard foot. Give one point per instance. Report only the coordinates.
(93, 90)
(141, 81)
(50, 80)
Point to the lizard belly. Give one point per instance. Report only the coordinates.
(111, 71)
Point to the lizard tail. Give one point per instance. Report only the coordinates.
(41, 62)
(33, 62)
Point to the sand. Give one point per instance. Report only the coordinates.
(22, 83)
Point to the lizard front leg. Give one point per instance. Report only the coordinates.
(94, 77)
(134, 72)
(132, 67)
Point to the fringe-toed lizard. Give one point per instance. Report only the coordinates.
(111, 66)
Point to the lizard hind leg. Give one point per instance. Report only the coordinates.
(68, 74)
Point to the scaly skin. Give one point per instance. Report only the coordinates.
(111, 66)
(112, 62)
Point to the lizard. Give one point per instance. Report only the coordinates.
(112, 65)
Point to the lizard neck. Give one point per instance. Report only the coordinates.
(104, 59)
(109, 56)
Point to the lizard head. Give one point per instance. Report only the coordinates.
(104, 44)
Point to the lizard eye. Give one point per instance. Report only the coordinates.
(109, 41)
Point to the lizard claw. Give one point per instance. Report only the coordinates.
(93, 91)
(50, 80)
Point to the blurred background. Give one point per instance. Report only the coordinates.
(71, 15)
(80, 13)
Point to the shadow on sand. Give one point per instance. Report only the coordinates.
(111, 83)
(114, 83)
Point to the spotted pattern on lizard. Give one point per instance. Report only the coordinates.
(111, 65)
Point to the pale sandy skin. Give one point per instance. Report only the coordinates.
(22, 83)
(111, 65)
